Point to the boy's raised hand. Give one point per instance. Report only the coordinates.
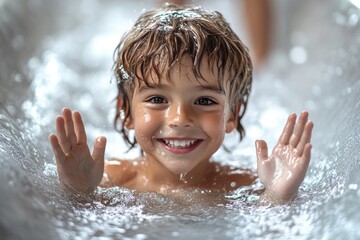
(285, 169)
(77, 168)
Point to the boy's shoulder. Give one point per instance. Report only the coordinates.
(119, 171)
(231, 177)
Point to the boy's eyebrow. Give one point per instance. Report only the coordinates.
(215, 89)
(146, 87)
(211, 88)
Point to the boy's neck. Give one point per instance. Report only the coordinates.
(158, 175)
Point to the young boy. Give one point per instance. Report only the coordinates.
(184, 79)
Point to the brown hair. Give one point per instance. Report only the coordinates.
(161, 37)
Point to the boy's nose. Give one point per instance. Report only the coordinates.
(179, 116)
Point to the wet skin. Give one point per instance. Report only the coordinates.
(179, 125)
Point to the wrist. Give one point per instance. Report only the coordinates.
(269, 197)
(77, 195)
(79, 188)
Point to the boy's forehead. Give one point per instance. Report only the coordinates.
(180, 71)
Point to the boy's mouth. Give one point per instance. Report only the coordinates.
(180, 145)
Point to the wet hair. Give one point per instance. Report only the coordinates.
(161, 37)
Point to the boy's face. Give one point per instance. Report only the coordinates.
(181, 123)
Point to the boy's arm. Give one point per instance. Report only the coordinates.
(285, 169)
(78, 170)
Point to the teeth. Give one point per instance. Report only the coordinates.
(179, 143)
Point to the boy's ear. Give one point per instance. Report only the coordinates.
(232, 122)
(128, 123)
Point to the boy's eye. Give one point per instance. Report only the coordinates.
(205, 101)
(156, 100)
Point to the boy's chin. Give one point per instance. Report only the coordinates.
(180, 168)
(179, 171)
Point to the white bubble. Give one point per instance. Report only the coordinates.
(298, 55)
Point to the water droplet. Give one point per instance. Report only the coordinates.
(182, 177)
(353, 186)
(147, 118)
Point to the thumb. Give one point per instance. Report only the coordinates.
(261, 150)
(99, 150)
(262, 155)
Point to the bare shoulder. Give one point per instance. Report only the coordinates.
(230, 177)
(120, 171)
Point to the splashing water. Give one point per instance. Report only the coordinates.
(64, 63)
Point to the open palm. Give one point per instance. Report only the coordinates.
(285, 169)
(77, 167)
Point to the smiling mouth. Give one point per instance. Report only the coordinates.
(180, 143)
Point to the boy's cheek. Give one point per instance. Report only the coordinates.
(142, 115)
(213, 121)
(214, 125)
(146, 122)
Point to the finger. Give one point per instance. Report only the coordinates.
(61, 134)
(261, 150)
(79, 128)
(299, 129)
(99, 150)
(307, 154)
(305, 138)
(59, 154)
(263, 167)
(305, 160)
(288, 130)
(69, 126)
